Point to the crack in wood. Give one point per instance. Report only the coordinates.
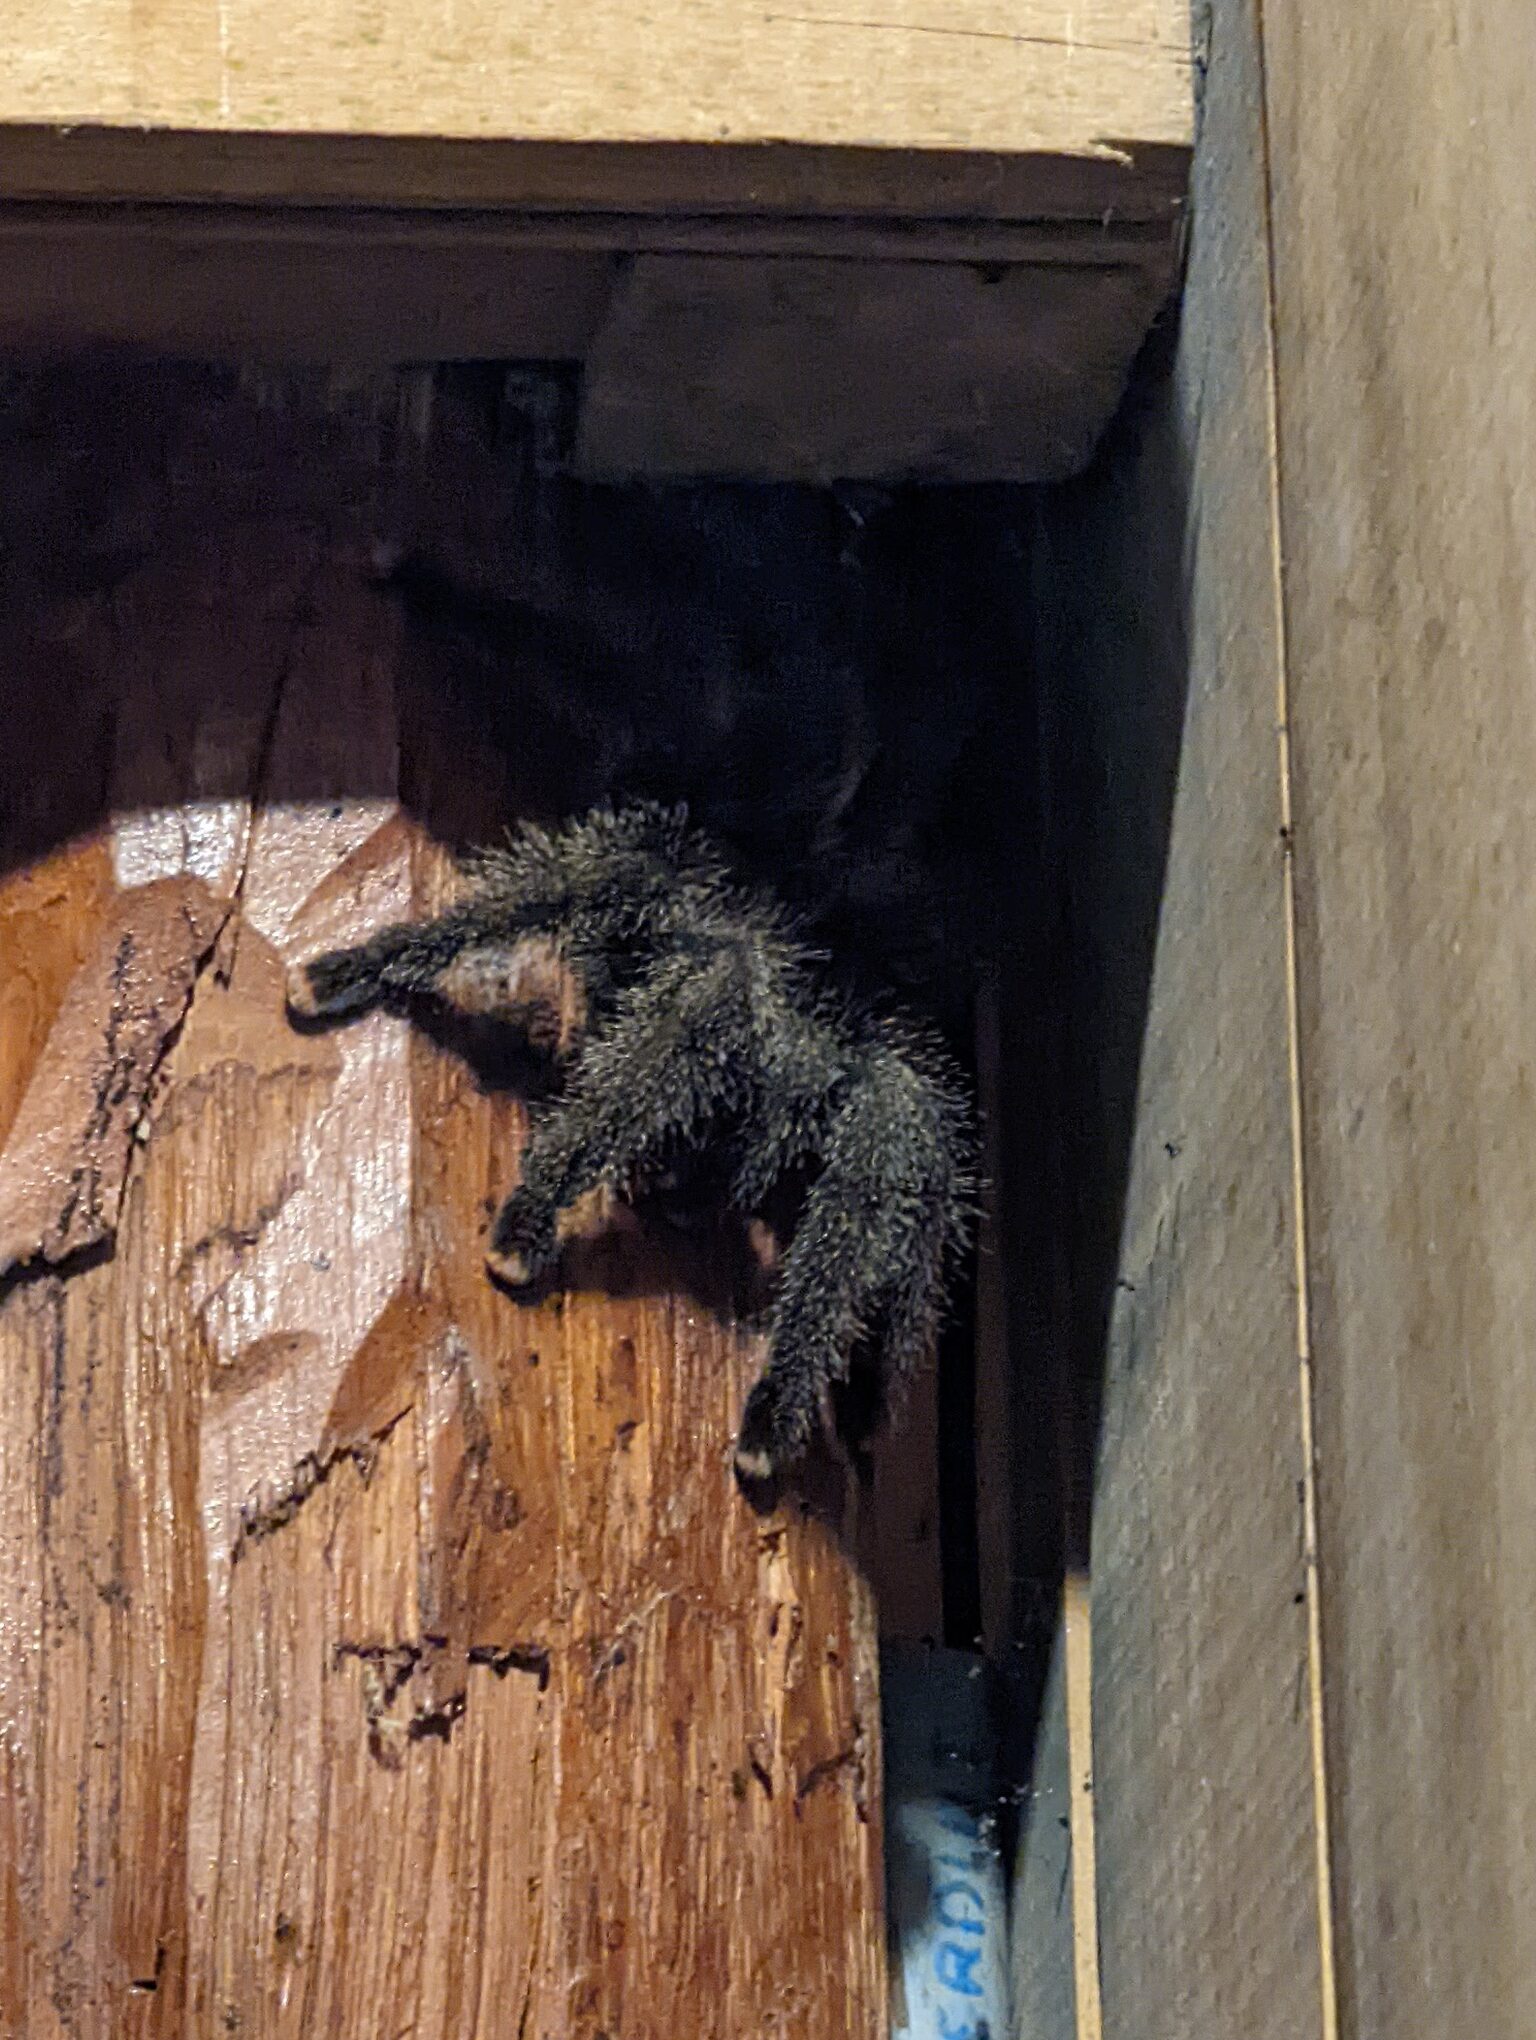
(259, 1520)
(387, 1669)
(825, 1770)
(1105, 45)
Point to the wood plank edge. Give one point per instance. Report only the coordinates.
(1116, 179)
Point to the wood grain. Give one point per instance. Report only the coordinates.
(1156, 585)
(1404, 213)
(376, 1655)
(1339, 488)
(824, 370)
(980, 74)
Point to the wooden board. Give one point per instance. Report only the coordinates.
(466, 180)
(1334, 501)
(1135, 183)
(227, 286)
(773, 350)
(1157, 591)
(379, 1655)
(826, 370)
(1102, 80)
(1042, 1914)
(1404, 208)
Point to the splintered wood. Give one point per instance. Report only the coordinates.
(378, 1654)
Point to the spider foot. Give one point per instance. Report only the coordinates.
(512, 1267)
(524, 1245)
(774, 1432)
(344, 981)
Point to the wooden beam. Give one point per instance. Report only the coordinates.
(1404, 217)
(989, 76)
(800, 350)
(94, 163)
(461, 180)
(1339, 494)
(829, 370)
(225, 286)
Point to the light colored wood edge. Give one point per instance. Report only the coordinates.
(1328, 2003)
(1077, 1631)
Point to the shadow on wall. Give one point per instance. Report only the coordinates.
(1110, 609)
(748, 689)
(194, 624)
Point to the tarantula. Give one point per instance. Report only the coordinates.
(690, 1025)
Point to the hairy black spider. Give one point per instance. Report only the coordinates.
(692, 1027)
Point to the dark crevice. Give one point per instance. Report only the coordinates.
(261, 1520)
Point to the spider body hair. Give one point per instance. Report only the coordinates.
(693, 1026)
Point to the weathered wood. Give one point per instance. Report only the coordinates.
(1138, 184)
(1156, 580)
(824, 370)
(462, 181)
(1042, 1916)
(1316, 1818)
(827, 354)
(361, 290)
(380, 1654)
(989, 76)
(1404, 211)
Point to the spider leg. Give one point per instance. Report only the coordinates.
(678, 1053)
(868, 1257)
(397, 961)
(488, 962)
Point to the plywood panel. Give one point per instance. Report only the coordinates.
(1156, 578)
(378, 1654)
(1404, 206)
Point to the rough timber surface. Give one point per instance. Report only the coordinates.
(1404, 207)
(376, 1655)
(830, 369)
(1155, 580)
(476, 179)
(1096, 81)
(1338, 482)
(776, 350)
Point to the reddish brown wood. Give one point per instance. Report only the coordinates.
(377, 1655)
